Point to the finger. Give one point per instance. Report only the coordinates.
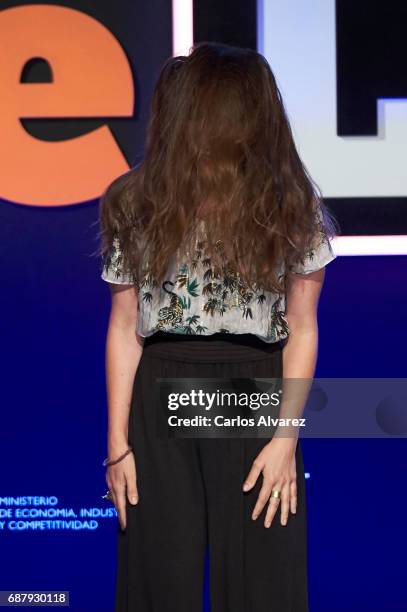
(262, 499)
(293, 496)
(113, 492)
(253, 475)
(120, 494)
(113, 498)
(131, 487)
(285, 504)
(272, 507)
(271, 511)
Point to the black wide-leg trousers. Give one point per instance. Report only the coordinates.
(191, 498)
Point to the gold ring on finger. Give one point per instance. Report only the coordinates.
(276, 494)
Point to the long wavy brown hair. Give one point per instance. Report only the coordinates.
(219, 149)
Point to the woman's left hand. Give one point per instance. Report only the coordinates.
(276, 462)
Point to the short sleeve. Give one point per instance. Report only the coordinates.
(319, 255)
(112, 266)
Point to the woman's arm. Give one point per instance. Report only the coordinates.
(300, 350)
(276, 461)
(123, 352)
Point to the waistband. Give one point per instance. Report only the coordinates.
(214, 347)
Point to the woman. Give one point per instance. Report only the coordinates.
(214, 248)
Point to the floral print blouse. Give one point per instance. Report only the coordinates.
(194, 300)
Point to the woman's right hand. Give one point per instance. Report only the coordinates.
(121, 479)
